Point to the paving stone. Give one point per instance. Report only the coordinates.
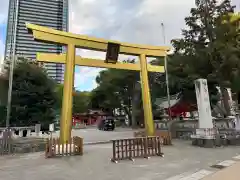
(180, 158)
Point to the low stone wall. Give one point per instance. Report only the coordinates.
(29, 147)
(80, 126)
(17, 131)
(165, 136)
(218, 141)
(21, 145)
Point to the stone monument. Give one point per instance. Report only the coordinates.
(205, 133)
(37, 129)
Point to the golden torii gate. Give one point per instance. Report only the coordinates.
(113, 48)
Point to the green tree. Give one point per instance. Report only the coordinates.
(119, 89)
(59, 94)
(115, 90)
(208, 48)
(81, 101)
(3, 99)
(33, 96)
(3, 89)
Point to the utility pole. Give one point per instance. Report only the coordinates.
(166, 74)
(12, 64)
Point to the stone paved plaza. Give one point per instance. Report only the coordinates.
(93, 135)
(181, 158)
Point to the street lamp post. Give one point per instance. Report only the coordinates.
(166, 74)
(10, 92)
(12, 64)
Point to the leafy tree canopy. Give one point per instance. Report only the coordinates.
(81, 101)
(33, 96)
(209, 47)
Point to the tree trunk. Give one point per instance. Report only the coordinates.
(130, 110)
(135, 102)
(127, 112)
(134, 108)
(141, 118)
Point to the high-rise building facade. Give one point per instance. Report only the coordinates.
(50, 13)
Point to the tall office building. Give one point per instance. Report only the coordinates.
(50, 13)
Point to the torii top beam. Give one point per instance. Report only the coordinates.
(97, 44)
(45, 34)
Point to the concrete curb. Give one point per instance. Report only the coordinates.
(98, 142)
(228, 172)
(206, 173)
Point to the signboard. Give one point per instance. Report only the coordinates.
(204, 109)
(112, 53)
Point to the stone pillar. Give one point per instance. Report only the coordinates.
(29, 132)
(204, 110)
(37, 129)
(7, 134)
(20, 133)
(237, 123)
(230, 102)
(205, 134)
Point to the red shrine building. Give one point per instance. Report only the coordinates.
(178, 106)
(92, 117)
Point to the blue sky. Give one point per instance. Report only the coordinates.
(87, 86)
(134, 21)
(3, 28)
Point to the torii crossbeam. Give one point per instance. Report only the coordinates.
(73, 41)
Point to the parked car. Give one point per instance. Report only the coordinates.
(107, 124)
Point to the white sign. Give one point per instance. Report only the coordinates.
(51, 127)
(204, 109)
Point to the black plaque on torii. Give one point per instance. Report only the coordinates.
(112, 53)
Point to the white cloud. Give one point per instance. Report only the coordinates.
(91, 54)
(145, 27)
(3, 20)
(91, 17)
(85, 75)
(87, 16)
(138, 22)
(1, 54)
(134, 21)
(3, 11)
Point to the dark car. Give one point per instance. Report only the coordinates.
(107, 124)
